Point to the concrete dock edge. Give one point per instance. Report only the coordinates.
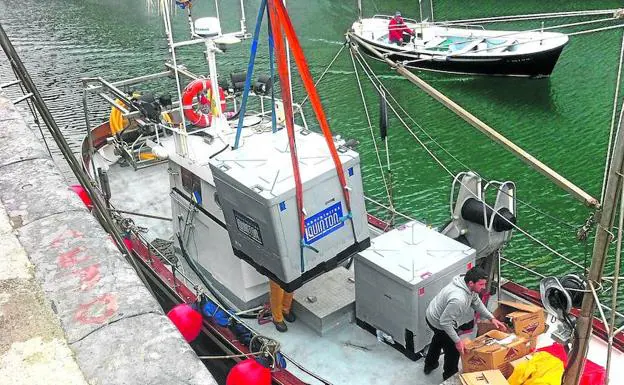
(63, 283)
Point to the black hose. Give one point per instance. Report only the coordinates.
(218, 298)
(220, 301)
(220, 151)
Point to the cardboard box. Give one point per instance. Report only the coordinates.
(524, 320)
(508, 368)
(494, 350)
(486, 377)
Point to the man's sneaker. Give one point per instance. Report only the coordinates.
(431, 369)
(290, 317)
(281, 326)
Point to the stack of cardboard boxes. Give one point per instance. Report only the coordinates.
(496, 351)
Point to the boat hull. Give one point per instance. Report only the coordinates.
(534, 64)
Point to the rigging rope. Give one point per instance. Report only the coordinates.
(324, 72)
(466, 167)
(535, 16)
(423, 145)
(612, 129)
(437, 160)
(282, 67)
(555, 27)
(390, 209)
(370, 125)
(308, 83)
(596, 30)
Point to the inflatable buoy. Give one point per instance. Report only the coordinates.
(248, 372)
(187, 320)
(192, 90)
(83, 195)
(128, 244)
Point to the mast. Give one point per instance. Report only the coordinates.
(604, 236)
(431, 10)
(359, 4)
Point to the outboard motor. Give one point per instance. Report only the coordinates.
(484, 227)
(148, 106)
(165, 101)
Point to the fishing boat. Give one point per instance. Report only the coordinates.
(466, 49)
(207, 191)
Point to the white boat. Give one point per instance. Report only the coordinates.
(466, 49)
(170, 199)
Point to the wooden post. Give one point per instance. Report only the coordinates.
(604, 236)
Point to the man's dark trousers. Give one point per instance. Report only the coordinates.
(441, 341)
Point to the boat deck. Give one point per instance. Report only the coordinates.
(346, 354)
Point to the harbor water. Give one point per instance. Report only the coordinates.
(563, 120)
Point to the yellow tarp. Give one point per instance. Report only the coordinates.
(542, 369)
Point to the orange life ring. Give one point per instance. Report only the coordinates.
(192, 90)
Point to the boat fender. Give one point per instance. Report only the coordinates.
(249, 372)
(187, 320)
(160, 152)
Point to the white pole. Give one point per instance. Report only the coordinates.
(217, 118)
(359, 10)
(217, 9)
(242, 21)
(431, 7)
(180, 139)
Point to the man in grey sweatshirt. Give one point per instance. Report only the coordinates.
(450, 309)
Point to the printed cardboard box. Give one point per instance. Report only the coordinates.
(508, 368)
(486, 377)
(525, 320)
(494, 350)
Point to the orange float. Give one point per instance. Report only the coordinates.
(196, 89)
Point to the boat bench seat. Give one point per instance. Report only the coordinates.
(435, 42)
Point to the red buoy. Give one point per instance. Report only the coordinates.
(187, 320)
(128, 244)
(82, 193)
(248, 372)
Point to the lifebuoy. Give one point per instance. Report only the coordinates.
(192, 90)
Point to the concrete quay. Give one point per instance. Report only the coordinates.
(72, 310)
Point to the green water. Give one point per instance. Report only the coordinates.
(563, 120)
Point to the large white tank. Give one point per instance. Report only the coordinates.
(397, 277)
(256, 190)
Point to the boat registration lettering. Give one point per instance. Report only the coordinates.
(248, 227)
(323, 223)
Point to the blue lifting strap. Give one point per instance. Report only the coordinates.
(250, 67)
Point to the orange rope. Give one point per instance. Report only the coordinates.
(282, 67)
(308, 83)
